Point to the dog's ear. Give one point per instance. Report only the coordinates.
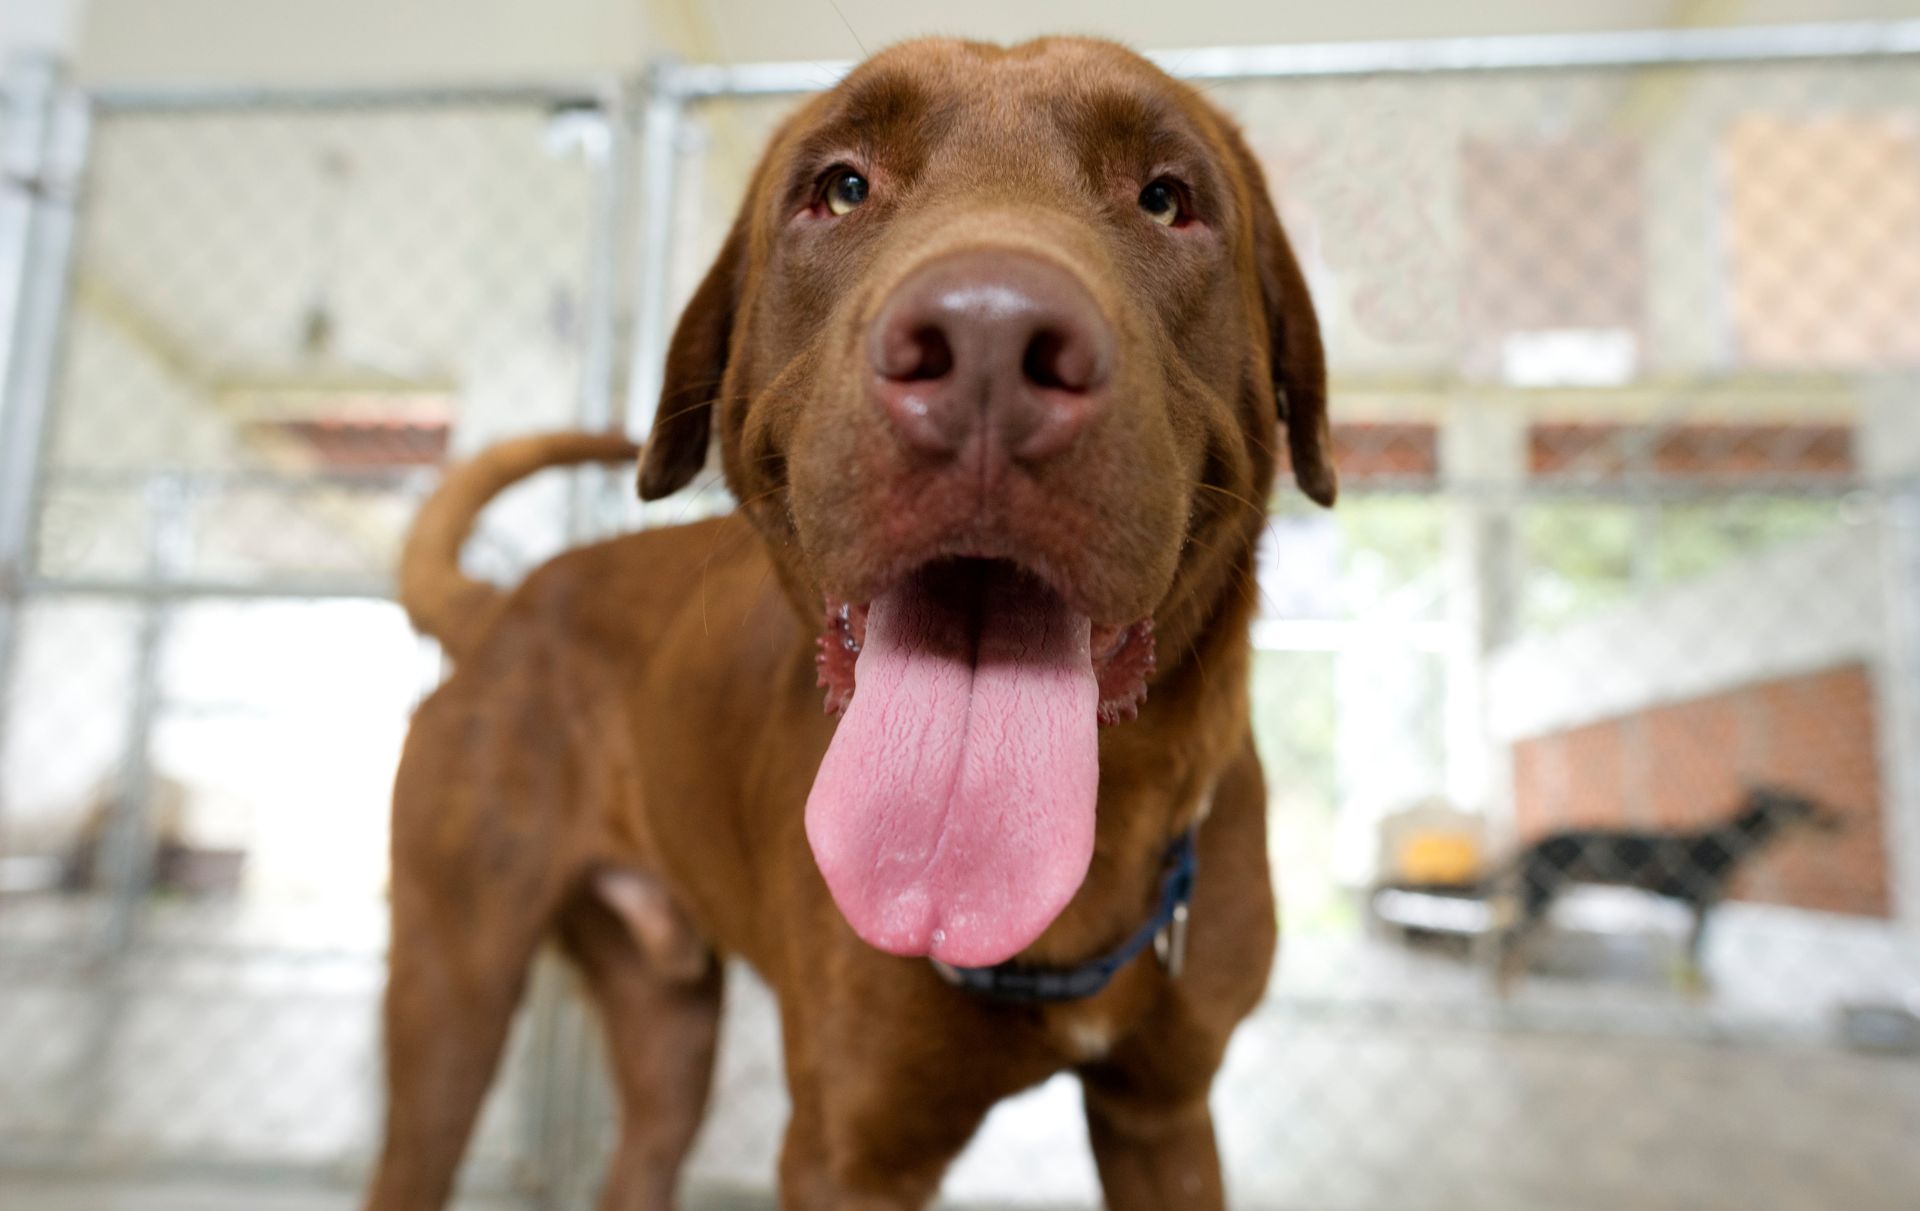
(696, 363)
(1293, 333)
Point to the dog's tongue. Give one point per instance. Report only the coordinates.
(953, 814)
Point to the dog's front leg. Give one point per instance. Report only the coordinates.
(858, 1157)
(890, 1077)
(1152, 1153)
(1146, 1099)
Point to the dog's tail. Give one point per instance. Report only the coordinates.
(440, 599)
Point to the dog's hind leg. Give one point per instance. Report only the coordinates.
(1534, 892)
(457, 973)
(658, 991)
(476, 881)
(1513, 952)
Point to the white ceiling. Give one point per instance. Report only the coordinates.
(324, 41)
(755, 29)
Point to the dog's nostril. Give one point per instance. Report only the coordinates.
(1042, 363)
(1060, 360)
(921, 355)
(936, 354)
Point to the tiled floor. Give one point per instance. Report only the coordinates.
(47, 1194)
(98, 1194)
(1382, 1078)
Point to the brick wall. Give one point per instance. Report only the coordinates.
(1683, 765)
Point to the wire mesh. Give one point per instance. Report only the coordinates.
(284, 318)
(1601, 642)
(1612, 633)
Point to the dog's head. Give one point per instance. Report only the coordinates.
(998, 352)
(1770, 810)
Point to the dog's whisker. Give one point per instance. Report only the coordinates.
(758, 587)
(843, 20)
(1229, 494)
(713, 547)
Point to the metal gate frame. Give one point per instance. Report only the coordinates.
(45, 163)
(43, 167)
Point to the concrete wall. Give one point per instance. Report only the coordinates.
(1794, 609)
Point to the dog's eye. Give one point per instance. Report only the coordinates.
(1161, 201)
(845, 190)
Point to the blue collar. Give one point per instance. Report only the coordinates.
(1166, 932)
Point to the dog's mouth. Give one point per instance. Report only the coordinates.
(1123, 654)
(953, 813)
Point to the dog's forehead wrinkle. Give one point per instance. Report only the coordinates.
(1001, 153)
(882, 112)
(1021, 106)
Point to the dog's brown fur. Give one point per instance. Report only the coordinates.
(623, 754)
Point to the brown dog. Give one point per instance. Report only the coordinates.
(997, 353)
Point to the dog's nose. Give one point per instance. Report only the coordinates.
(1000, 346)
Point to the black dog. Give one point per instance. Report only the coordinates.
(1693, 868)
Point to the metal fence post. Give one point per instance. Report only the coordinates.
(1888, 444)
(42, 159)
(1889, 441)
(552, 1124)
(1900, 694)
(659, 179)
(596, 491)
(126, 851)
(123, 867)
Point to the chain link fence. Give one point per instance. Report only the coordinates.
(1616, 603)
(283, 314)
(1615, 632)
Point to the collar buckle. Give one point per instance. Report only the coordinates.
(1170, 944)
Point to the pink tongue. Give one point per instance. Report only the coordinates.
(953, 814)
